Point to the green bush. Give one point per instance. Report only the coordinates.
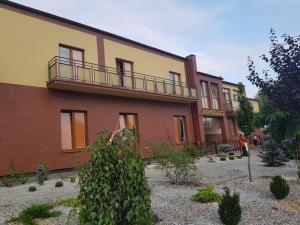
(178, 167)
(279, 187)
(207, 195)
(42, 174)
(72, 179)
(14, 177)
(239, 157)
(59, 183)
(28, 215)
(113, 186)
(223, 158)
(229, 208)
(225, 148)
(231, 153)
(193, 151)
(231, 157)
(68, 202)
(32, 188)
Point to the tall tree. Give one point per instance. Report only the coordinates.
(245, 114)
(245, 118)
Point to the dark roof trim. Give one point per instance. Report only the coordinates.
(227, 82)
(253, 99)
(209, 75)
(39, 12)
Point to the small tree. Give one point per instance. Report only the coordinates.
(113, 186)
(245, 118)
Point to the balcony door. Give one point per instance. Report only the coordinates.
(71, 62)
(175, 83)
(125, 70)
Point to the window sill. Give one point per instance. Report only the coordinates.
(72, 150)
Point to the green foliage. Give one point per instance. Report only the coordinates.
(225, 148)
(193, 150)
(239, 157)
(229, 209)
(28, 215)
(14, 176)
(159, 149)
(59, 183)
(42, 174)
(279, 187)
(68, 202)
(72, 179)
(113, 186)
(223, 158)
(271, 154)
(231, 157)
(207, 195)
(32, 188)
(245, 114)
(178, 166)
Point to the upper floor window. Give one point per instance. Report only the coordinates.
(125, 69)
(226, 93)
(73, 130)
(204, 94)
(235, 95)
(215, 96)
(175, 82)
(180, 129)
(71, 55)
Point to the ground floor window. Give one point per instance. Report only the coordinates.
(212, 129)
(129, 121)
(180, 129)
(232, 129)
(73, 130)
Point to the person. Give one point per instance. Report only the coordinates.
(243, 143)
(255, 141)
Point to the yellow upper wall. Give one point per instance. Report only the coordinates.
(143, 61)
(254, 105)
(28, 43)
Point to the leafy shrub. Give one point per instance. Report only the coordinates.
(271, 153)
(69, 202)
(193, 150)
(32, 188)
(178, 167)
(42, 174)
(207, 195)
(113, 186)
(279, 187)
(223, 158)
(28, 215)
(229, 208)
(231, 153)
(239, 157)
(225, 148)
(59, 183)
(72, 179)
(231, 157)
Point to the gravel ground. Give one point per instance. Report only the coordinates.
(172, 203)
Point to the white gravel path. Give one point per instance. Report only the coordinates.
(172, 203)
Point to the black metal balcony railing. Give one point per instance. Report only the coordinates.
(231, 106)
(78, 71)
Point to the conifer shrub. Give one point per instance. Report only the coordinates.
(59, 184)
(230, 211)
(113, 186)
(207, 195)
(223, 158)
(225, 148)
(32, 188)
(279, 187)
(41, 174)
(193, 150)
(231, 157)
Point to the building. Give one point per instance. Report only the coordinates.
(61, 82)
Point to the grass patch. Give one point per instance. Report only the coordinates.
(207, 195)
(35, 211)
(71, 202)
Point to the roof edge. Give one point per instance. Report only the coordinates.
(213, 76)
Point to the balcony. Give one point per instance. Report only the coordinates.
(231, 106)
(72, 75)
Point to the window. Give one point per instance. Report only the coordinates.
(125, 70)
(175, 82)
(204, 94)
(71, 60)
(226, 93)
(180, 129)
(129, 121)
(235, 95)
(215, 96)
(73, 130)
(232, 129)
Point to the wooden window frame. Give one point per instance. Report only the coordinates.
(207, 97)
(71, 112)
(216, 107)
(118, 60)
(136, 121)
(73, 48)
(177, 129)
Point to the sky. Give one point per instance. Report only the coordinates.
(221, 33)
